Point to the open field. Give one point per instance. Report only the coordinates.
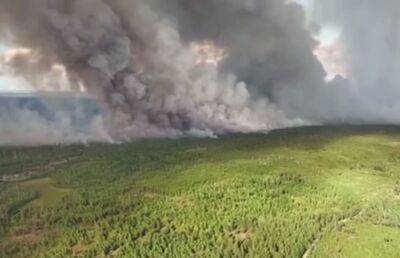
(306, 192)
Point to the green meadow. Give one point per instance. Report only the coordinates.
(302, 192)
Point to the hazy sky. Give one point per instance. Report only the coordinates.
(8, 83)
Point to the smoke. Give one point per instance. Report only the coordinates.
(139, 56)
(369, 42)
(187, 67)
(41, 73)
(27, 128)
(28, 120)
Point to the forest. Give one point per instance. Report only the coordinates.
(301, 192)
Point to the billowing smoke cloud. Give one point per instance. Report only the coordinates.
(139, 55)
(370, 39)
(189, 67)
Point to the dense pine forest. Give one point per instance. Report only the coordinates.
(304, 192)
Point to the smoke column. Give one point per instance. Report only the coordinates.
(200, 68)
(370, 39)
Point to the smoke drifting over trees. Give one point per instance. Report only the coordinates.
(187, 67)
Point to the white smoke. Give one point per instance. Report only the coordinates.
(49, 123)
(39, 72)
(28, 128)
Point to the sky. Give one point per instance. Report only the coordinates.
(306, 3)
(329, 52)
(9, 83)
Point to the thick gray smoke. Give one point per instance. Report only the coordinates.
(370, 38)
(166, 68)
(139, 55)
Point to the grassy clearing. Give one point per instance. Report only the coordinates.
(272, 195)
(48, 194)
(361, 240)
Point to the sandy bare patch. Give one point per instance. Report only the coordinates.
(241, 235)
